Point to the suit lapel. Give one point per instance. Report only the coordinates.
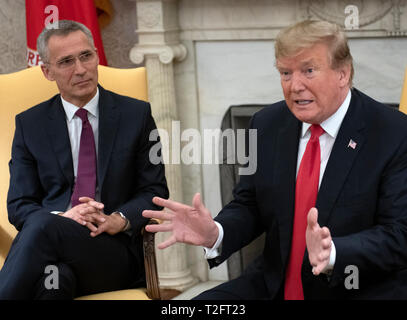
(341, 159)
(108, 124)
(285, 174)
(58, 133)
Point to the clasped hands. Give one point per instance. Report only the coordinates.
(90, 213)
(195, 225)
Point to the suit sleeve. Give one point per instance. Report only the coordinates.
(25, 191)
(381, 249)
(240, 218)
(150, 180)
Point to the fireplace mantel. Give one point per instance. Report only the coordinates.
(263, 19)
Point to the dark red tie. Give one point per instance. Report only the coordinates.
(85, 184)
(306, 191)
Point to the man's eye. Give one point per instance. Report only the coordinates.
(310, 70)
(84, 57)
(65, 62)
(285, 75)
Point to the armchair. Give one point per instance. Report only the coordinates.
(26, 88)
(403, 99)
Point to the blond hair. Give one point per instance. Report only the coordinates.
(290, 41)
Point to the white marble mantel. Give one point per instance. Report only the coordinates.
(262, 19)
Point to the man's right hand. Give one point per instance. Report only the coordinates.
(191, 225)
(87, 213)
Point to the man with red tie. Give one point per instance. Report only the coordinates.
(80, 177)
(329, 192)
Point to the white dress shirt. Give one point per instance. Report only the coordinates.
(74, 124)
(331, 127)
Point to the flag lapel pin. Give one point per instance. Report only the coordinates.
(352, 144)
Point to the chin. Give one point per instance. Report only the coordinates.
(88, 90)
(305, 116)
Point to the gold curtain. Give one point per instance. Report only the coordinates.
(104, 11)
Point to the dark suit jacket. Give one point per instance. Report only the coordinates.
(362, 200)
(41, 169)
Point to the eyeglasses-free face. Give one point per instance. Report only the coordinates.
(312, 89)
(73, 65)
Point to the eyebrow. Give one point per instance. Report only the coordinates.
(303, 64)
(308, 62)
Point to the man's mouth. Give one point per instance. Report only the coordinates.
(303, 102)
(82, 82)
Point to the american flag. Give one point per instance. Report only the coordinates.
(352, 144)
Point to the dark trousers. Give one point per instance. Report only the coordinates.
(53, 257)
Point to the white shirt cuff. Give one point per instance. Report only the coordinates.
(332, 258)
(213, 252)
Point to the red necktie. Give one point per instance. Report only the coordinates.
(306, 191)
(85, 184)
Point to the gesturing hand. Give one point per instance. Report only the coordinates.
(192, 225)
(319, 243)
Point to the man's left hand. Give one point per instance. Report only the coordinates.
(319, 243)
(112, 223)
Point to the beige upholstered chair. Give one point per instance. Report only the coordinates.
(403, 99)
(26, 88)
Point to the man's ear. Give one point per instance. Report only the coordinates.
(47, 73)
(344, 75)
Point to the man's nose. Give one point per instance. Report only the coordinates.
(79, 68)
(297, 83)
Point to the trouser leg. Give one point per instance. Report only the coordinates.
(57, 283)
(99, 264)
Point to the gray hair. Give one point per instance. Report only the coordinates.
(60, 28)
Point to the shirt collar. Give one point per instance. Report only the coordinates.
(333, 123)
(91, 106)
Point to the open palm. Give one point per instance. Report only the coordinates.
(191, 225)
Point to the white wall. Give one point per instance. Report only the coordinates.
(379, 67)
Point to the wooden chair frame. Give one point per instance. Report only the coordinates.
(150, 264)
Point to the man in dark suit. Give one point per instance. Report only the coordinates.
(330, 188)
(80, 179)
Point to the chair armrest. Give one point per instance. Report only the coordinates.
(5, 244)
(150, 263)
